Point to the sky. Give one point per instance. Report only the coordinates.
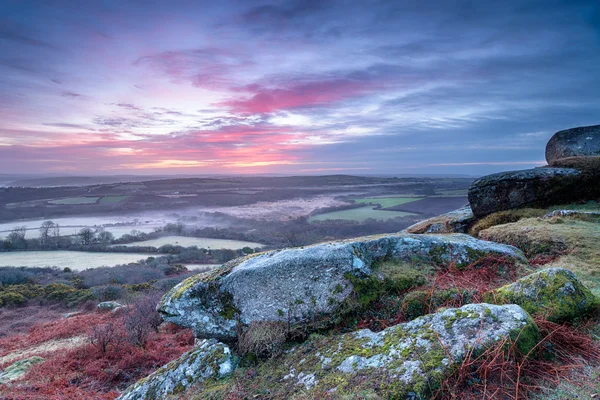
(292, 87)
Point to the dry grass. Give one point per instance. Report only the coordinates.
(263, 339)
(565, 243)
(504, 217)
(501, 372)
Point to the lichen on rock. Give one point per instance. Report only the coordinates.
(210, 359)
(555, 293)
(304, 286)
(413, 357)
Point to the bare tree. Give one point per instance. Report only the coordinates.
(87, 235)
(141, 318)
(105, 237)
(16, 237)
(104, 336)
(46, 231)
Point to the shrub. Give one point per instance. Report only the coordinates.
(108, 292)
(141, 318)
(12, 299)
(105, 336)
(14, 276)
(58, 291)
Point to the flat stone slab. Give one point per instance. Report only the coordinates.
(515, 189)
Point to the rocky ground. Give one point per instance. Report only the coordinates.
(499, 300)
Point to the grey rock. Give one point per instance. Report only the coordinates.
(109, 305)
(210, 359)
(304, 285)
(555, 293)
(575, 142)
(457, 221)
(403, 359)
(532, 187)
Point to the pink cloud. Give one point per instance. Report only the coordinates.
(296, 96)
(234, 147)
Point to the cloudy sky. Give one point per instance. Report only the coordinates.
(306, 87)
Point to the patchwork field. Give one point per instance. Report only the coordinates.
(432, 205)
(205, 243)
(76, 260)
(359, 214)
(386, 202)
(74, 200)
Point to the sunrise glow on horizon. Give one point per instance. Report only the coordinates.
(292, 87)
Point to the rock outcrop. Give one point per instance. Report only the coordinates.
(311, 285)
(575, 142)
(210, 359)
(515, 189)
(404, 361)
(554, 293)
(457, 221)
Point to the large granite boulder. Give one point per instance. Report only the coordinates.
(457, 221)
(575, 142)
(309, 286)
(210, 359)
(554, 293)
(531, 187)
(405, 361)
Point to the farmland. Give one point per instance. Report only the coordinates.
(75, 260)
(386, 202)
(359, 214)
(205, 243)
(74, 201)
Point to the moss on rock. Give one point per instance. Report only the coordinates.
(420, 302)
(411, 358)
(554, 293)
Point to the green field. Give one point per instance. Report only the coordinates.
(451, 193)
(205, 243)
(74, 200)
(113, 199)
(386, 202)
(359, 214)
(131, 186)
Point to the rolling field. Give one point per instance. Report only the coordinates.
(113, 199)
(359, 214)
(74, 201)
(199, 242)
(432, 205)
(76, 260)
(386, 202)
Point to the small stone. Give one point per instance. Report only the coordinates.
(109, 305)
